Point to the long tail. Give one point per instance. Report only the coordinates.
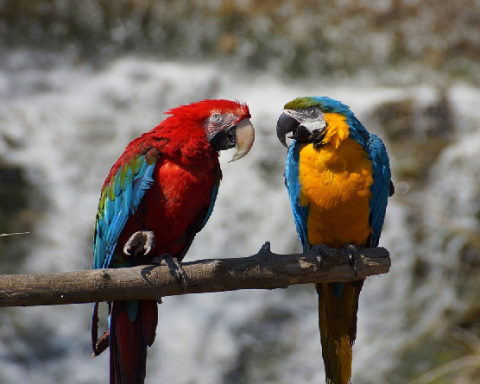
(337, 309)
(129, 340)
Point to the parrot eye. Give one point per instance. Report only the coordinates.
(312, 112)
(216, 118)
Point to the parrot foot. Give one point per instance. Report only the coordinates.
(350, 251)
(140, 243)
(322, 252)
(175, 267)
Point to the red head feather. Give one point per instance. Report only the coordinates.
(203, 109)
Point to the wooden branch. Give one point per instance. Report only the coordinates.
(265, 270)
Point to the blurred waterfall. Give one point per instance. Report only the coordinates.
(77, 83)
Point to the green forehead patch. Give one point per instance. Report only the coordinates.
(301, 103)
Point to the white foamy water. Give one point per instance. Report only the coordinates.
(71, 122)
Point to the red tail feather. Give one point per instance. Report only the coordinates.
(129, 341)
(149, 311)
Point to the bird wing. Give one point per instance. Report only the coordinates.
(205, 216)
(381, 185)
(122, 193)
(300, 213)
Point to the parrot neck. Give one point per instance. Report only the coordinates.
(337, 129)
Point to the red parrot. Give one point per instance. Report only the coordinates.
(157, 196)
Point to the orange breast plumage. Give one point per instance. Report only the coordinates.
(335, 181)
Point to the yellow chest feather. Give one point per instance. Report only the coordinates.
(335, 182)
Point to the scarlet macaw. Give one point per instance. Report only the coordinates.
(157, 196)
(338, 180)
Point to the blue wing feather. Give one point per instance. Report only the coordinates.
(116, 212)
(381, 185)
(300, 214)
(213, 198)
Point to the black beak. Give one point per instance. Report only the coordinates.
(287, 124)
(224, 139)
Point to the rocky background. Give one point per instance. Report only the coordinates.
(78, 80)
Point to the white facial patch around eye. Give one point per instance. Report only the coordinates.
(219, 121)
(216, 118)
(312, 119)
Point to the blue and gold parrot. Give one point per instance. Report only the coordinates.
(338, 180)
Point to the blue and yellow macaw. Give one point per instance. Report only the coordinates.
(338, 180)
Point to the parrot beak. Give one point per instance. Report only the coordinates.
(300, 131)
(285, 125)
(241, 136)
(245, 136)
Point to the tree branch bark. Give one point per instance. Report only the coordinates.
(264, 270)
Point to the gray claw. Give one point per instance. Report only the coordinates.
(175, 267)
(322, 251)
(140, 242)
(350, 251)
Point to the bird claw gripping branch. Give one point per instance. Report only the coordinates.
(322, 252)
(175, 267)
(350, 251)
